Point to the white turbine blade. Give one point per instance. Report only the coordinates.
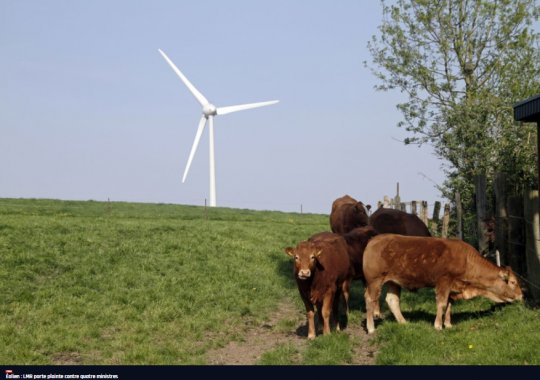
(200, 97)
(241, 107)
(198, 135)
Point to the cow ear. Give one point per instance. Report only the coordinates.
(289, 251)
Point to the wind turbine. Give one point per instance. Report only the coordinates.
(209, 111)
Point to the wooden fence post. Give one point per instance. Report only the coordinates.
(459, 216)
(436, 211)
(501, 217)
(424, 213)
(435, 218)
(413, 208)
(445, 221)
(397, 199)
(532, 233)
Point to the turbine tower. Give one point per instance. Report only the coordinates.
(208, 112)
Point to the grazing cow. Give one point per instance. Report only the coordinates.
(387, 220)
(454, 268)
(347, 214)
(322, 272)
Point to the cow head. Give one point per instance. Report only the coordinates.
(306, 256)
(359, 214)
(506, 287)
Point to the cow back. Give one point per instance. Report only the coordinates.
(386, 220)
(415, 262)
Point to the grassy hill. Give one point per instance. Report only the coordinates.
(125, 283)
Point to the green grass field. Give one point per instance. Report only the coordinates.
(124, 283)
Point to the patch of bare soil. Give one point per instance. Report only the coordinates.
(263, 338)
(66, 358)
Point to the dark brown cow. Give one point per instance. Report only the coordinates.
(322, 272)
(347, 214)
(388, 220)
(357, 241)
(454, 268)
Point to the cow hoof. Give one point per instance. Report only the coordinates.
(438, 328)
(447, 326)
(311, 337)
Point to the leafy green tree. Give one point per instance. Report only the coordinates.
(462, 64)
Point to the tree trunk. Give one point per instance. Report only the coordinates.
(481, 214)
(516, 234)
(501, 217)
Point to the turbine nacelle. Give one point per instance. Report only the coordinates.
(209, 110)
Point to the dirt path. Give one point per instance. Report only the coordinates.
(274, 332)
(363, 351)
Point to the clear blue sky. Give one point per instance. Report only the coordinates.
(90, 110)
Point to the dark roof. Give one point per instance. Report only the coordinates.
(528, 110)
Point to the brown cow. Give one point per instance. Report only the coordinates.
(388, 220)
(347, 213)
(454, 268)
(323, 274)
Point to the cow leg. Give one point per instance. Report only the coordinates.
(327, 310)
(310, 314)
(447, 322)
(376, 304)
(371, 295)
(335, 308)
(442, 293)
(319, 319)
(311, 324)
(346, 288)
(392, 299)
